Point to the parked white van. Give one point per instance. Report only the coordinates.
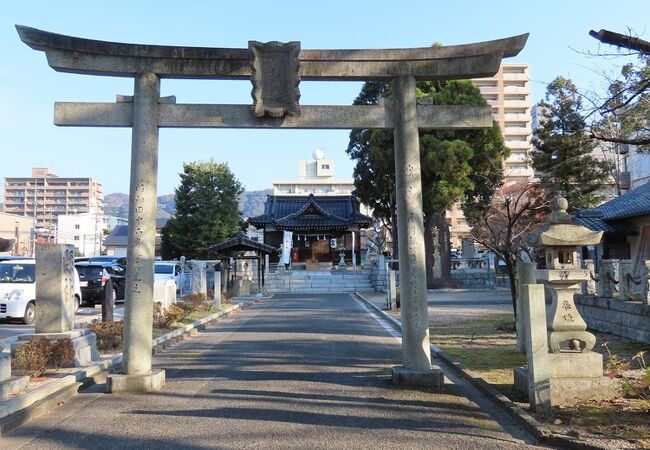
(18, 289)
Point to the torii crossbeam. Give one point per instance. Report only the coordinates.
(275, 70)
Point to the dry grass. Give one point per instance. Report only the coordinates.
(487, 346)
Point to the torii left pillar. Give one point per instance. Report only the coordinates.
(138, 375)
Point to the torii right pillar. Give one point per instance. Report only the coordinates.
(416, 353)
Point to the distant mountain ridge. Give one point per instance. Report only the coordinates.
(251, 204)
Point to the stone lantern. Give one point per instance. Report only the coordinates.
(561, 368)
(567, 331)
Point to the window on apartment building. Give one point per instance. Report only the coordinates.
(325, 166)
(76, 226)
(515, 97)
(76, 238)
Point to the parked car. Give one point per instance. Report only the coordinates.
(93, 277)
(18, 289)
(168, 270)
(121, 260)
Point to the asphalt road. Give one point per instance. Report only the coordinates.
(291, 372)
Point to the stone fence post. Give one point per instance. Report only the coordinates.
(608, 278)
(589, 287)
(626, 279)
(645, 282)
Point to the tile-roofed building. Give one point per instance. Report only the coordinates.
(625, 221)
(321, 225)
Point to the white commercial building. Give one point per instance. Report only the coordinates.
(86, 231)
(315, 176)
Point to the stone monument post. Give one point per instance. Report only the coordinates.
(55, 304)
(526, 274)
(199, 281)
(533, 313)
(54, 288)
(416, 354)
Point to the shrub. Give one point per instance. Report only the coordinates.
(62, 353)
(195, 302)
(173, 314)
(34, 357)
(109, 334)
(634, 382)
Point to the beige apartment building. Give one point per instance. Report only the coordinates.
(21, 230)
(508, 93)
(44, 196)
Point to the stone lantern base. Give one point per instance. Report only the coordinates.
(575, 377)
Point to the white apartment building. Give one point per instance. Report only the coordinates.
(315, 176)
(85, 231)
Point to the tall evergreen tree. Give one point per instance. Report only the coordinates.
(206, 210)
(455, 164)
(564, 152)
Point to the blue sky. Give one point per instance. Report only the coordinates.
(29, 88)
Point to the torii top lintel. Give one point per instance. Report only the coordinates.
(93, 57)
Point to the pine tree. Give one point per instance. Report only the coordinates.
(206, 210)
(564, 152)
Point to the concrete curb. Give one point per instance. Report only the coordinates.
(525, 420)
(20, 409)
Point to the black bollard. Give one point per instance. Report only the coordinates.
(108, 302)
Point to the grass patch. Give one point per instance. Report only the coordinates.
(486, 346)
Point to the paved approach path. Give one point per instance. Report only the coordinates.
(290, 372)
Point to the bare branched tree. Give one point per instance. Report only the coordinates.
(514, 212)
(622, 114)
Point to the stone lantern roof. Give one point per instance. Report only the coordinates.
(561, 230)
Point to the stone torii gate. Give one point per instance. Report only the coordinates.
(275, 70)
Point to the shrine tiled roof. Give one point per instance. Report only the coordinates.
(301, 212)
(240, 243)
(607, 216)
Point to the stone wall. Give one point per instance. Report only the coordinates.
(627, 319)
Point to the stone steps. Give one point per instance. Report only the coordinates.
(318, 282)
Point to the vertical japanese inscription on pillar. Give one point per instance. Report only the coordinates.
(275, 78)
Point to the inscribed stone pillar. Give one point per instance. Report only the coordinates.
(392, 290)
(413, 294)
(54, 288)
(534, 314)
(142, 227)
(217, 289)
(525, 275)
(199, 282)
